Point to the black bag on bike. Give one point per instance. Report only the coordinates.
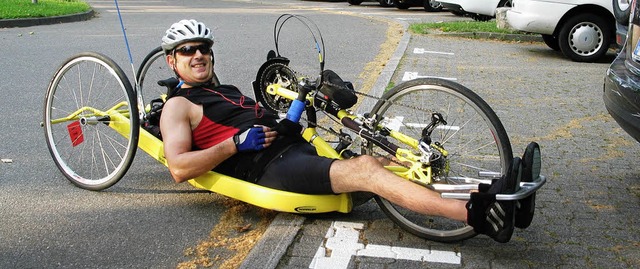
(337, 90)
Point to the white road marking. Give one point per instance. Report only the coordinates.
(396, 123)
(423, 51)
(342, 243)
(408, 19)
(414, 75)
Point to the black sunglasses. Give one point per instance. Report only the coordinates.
(191, 50)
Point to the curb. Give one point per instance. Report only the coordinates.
(26, 22)
(274, 243)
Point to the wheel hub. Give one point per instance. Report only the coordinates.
(585, 38)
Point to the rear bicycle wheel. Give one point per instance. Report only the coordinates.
(473, 137)
(91, 121)
(152, 69)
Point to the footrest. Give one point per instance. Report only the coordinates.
(526, 189)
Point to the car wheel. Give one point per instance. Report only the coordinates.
(621, 11)
(479, 17)
(585, 37)
(432, 6)
(400, 4)
(551, 41)
(505, 3)
(386, 3)
(355, 2)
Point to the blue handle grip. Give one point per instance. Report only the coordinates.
(295, 111)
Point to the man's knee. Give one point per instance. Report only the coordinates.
(354, 174)
(365, 163)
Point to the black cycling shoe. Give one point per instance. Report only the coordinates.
(531, 165)
(491, 217)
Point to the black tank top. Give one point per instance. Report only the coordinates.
(225, 112)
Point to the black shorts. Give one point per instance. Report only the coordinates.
(299, 170)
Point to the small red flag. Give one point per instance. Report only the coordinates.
(75, 133)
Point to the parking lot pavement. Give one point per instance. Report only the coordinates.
(586, 213)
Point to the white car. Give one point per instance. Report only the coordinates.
(480, 10)
(582, 29)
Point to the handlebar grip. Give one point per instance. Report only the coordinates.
(297, 106)
(295, 110)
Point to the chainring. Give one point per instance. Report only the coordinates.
(283, 75)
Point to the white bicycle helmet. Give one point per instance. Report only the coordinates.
(186, 31)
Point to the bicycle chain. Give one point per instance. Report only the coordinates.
(331, 131)
(342, 87)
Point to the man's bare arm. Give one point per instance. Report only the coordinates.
(185, 164)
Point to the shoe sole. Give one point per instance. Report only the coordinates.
(501, 215)
(532, 163)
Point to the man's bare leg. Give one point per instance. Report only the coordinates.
(365, 173)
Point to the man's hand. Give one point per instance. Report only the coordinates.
(254, 138)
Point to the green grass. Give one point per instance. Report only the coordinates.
(459, 26)
(14, 9)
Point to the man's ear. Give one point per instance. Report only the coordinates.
(170, 61)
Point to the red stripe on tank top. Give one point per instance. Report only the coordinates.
(208, 133)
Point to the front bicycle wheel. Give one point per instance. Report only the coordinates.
(473, 138)
(91, 121)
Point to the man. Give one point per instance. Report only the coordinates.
(206, 127)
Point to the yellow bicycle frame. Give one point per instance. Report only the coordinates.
(259, 195)
(417, 171)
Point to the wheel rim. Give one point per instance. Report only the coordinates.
(471, 140)
(585, 39)
(486, 151)
(94, 155)
(151, 72)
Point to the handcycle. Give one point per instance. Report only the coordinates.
(436, 133)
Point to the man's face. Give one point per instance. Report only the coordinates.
(191, 63)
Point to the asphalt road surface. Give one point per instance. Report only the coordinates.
(586, 214)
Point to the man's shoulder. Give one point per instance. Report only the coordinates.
(176, 102)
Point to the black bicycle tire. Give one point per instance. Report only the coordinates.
(140, 73)
(130, 96)
(504, 147)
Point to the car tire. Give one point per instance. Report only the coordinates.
(480, 17)
(588, 27)
(432, 6)
(355, 2)
(400, 5)
(457, 13)
(551, 41)
(385, 3)
(621, 12)
(505, 3)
